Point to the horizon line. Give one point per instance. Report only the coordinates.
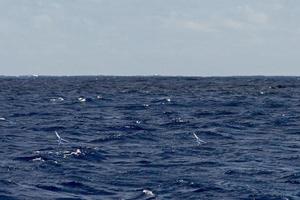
(154, 75)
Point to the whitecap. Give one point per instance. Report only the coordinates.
(60, 139)
(81, 99)
(148, 192)
(180, 120)
(198, 140)
(57, 99)
(75, 153)
(38, 159)
(2, 119)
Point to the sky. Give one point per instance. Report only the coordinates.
(147, 37)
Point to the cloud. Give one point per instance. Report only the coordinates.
(42, 20)
(252, 16)
(197, 25)
(241, 18)
(71, 33)
(232, 24)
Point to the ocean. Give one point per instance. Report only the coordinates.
(154, 137)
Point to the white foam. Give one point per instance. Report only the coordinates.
(2, 119)
(60, 139)
(38, 159)
(75, 153)
(180, 120)
(57, 99)
(148, 192)
(81, 99)
(198, 140)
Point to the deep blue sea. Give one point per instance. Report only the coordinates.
(149, 138)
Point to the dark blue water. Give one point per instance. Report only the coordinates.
(150, 138)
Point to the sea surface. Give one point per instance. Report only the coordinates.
(149, 138)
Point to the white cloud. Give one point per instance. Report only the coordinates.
(146, 33)
(233, 24)
(253, 16)
(42, 20)
(277, 6)
(197, 25)
(241, 18)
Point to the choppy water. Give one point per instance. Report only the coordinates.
(150, 138)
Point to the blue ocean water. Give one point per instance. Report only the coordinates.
(149, 138)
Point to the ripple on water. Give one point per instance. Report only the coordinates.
(132, 138)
